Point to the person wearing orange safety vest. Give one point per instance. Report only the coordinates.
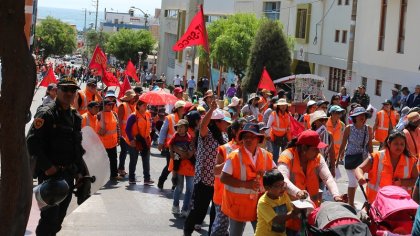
(109, 133)
(166, 133)
(125, 109)
(336, 127)
(263, 103)
(89, 118)
(221, 221)
(306, 118)
(392, 166)
(386, 120)
(302, 166)
(279, 125)
(90, 93)
(412, 133)
(139, 126)
(242, 177)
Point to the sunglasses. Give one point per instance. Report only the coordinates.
(68, 89)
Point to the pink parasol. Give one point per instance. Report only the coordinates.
(158, 98)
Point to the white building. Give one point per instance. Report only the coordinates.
(322, 33)
(115, 21)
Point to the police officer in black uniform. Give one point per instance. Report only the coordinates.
(55, 142)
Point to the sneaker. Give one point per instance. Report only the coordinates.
(132, 181)
(149, 182)
(116, 178)
(175, 210)
(184, 213)
(160, 185)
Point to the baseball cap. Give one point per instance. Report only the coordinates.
(336, 108)
(178, 90)
(51, 86)
(182, 122)
(219, 114)
(321, 102)
(179, 104)
(91, 81)
(387, 101)
(310, 138)
(110, 93)
(311, 103)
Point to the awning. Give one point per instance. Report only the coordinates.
(291, 78)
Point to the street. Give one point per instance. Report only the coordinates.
(124, 209)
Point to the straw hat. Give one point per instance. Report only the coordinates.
(282, 102)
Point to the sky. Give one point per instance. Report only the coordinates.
(147, 6)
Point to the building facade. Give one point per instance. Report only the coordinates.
(385, 49)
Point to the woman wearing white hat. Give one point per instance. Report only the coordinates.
(234, 108)
(305, 119)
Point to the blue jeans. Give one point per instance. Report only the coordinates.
(191, 92)
(189, 181)
(145, 158)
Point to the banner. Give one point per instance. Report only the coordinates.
(266, 82)
(131, 71)
(98, 60)
(196, 34)
(48, 79)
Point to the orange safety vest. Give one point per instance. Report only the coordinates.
(383, 118)
(382, 174)
(337, 134)
(307, 121)
(280, 126)
(142, 126)
(172, 120)
(128, 110)
(109, 122)
(89, 120)
(186, 168)
(240, 204)
(86, 97)
(413, 142)
(263, 103)
(224, 150)
(308, 181)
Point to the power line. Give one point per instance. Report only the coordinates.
(322, 19)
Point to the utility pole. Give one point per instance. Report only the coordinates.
(84, 28)
(351, 43)
(96, 18)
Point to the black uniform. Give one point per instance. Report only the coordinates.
(55, 140)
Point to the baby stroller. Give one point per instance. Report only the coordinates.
(393, 211)
(336, 218)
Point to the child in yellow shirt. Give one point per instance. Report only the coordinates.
(274, 207)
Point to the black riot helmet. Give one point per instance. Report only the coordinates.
(51, 192)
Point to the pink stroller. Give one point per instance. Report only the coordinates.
(393, 211)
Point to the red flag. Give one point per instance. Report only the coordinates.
(295, 127)
(196, 34)
(131, 71)
(109, 79)
(48, 79)
(98, 60)
(266, 82)
(124, 87)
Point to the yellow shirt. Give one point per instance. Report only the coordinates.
(269, 208)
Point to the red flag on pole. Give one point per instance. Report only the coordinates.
(295, 127)
(109, 79)
(196, 34)
(124, 87)
(48, 79)
(98, 60)
(131, 71)
(266, 82)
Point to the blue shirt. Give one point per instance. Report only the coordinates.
(191, 83)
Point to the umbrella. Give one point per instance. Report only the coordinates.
(157, 98)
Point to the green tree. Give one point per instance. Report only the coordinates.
(231, 39)
(94, 38)
(125, 44)
(271, 48)
(55, 37)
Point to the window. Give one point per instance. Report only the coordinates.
(116, 21)
(401, 31)
(337, 36)
(339, 2)
(378, 87)
(364, 81)
(382, 24)
(302, 23)
(347, 2)
(171, 13)
(344, 37)
(272, 10)
(336, 80)
(211, 18)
